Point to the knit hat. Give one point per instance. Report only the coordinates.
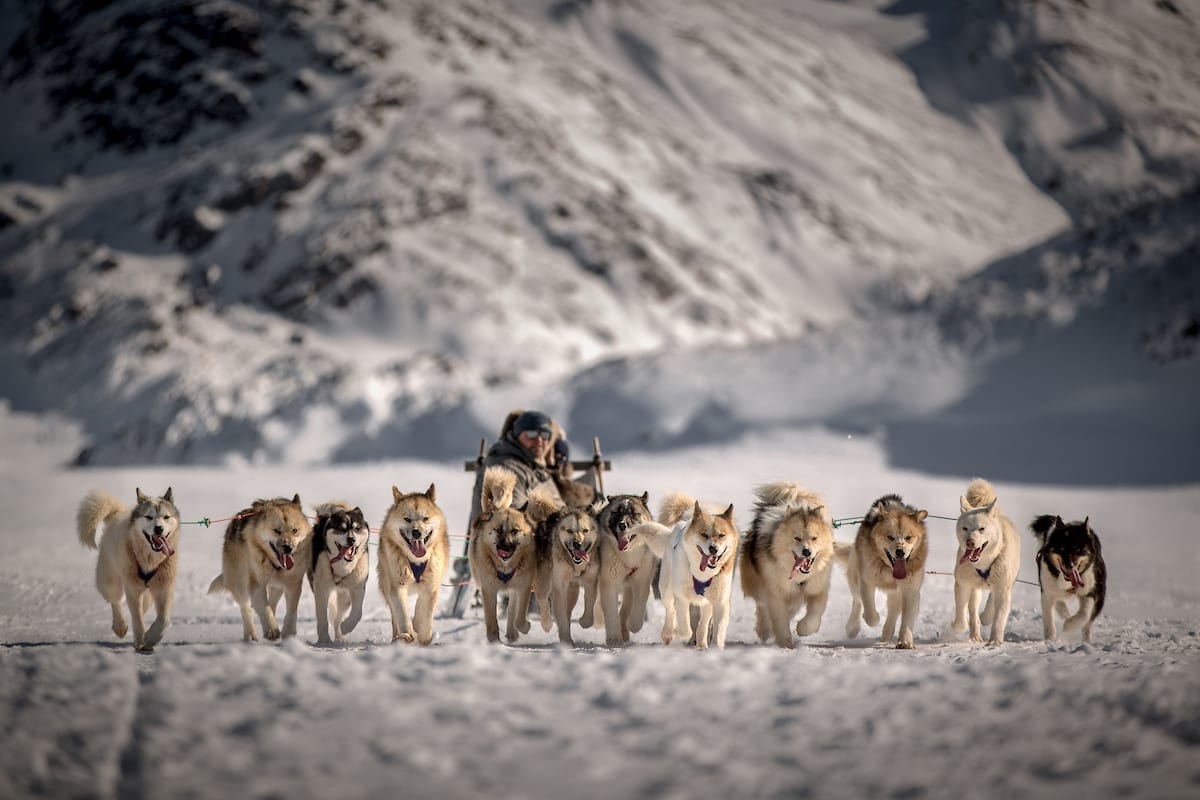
(562, 452)
(532, 421)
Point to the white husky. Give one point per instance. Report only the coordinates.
(137, 558)
(989, 556)
(698, 554)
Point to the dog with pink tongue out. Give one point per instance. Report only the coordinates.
(888, 554)
(989, 556)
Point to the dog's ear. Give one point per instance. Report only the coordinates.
(141, 497)
(396, 494)
(168, 496)
(296, 500)
(991, 509)
(1058, 522)
(963, 505)
(357, 512)
(727, 514)
(431, 493)
(646, 498)
(697, 512)
(921, 515)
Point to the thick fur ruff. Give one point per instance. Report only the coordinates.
(787, 561)
(699, 551)
(989, 557)
(339, 568)
(414, 555)
(503, 555)
(263, 545)
(138, 559)
(889, 554)
(568, 559)
(627, 566)
(1070, 567)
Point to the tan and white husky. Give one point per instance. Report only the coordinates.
(503, 554)
(263, 545)
(414, 553)
(889, 554)
(787, 561)
(568, 550)
(137, 558)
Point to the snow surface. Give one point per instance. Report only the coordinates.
(206, 715)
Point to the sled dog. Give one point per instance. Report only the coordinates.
(888, 554)
(698, 551)
(626, 566)
(787, 561)
(339, 568)
(137, 558)
(989, 557)
(568, 558)
(263, 544)
(414, 554)
(1069, 566)
(503, 554)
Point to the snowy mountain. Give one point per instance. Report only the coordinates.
(297, 232)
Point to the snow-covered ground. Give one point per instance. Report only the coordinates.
(206, 715)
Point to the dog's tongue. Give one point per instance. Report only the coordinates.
(287, 561)
(1075, 578)
(505, 555)
(581, 555)
(970, 555)
(801, 565)
(899, 568)
(160, 543)
(418, 547)
(344, 554)
(622, 541)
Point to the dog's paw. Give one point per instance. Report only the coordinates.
(959, 625)
(587, 620)
(546, 624)
(405, 637)
(512, 636)
(807, 627)
(1074, 622)
(976, 637)
(120, 629)
(853, 629)
(994, 642)
(425, 639)
(871, 618)
(523, 626)
(273, 635)
(904, 644)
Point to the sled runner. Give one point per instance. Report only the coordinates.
(463, 588)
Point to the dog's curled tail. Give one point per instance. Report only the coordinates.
(97, 507)
(655, 534)
(979, 494)
(218, 585)
(1042, 525)
(675, 506)
(841, 552)
(541, 505)
(332, 507)
(786, 493)
(498, 487)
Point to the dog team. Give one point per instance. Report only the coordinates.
(610, 549)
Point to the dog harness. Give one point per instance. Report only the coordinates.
(700, 587)
(505, 576)
(983, 573)
(147, 576)
(418, 569)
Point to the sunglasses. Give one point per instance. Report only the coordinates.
(543, 435)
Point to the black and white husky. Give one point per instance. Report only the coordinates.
(1069, 566)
